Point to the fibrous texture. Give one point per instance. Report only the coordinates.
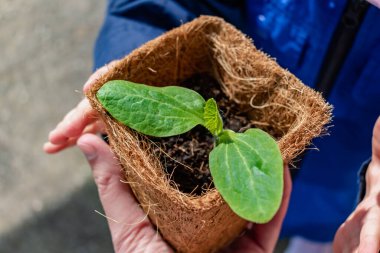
(277, 102)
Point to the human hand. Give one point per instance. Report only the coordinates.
(360, 233)
(130, 228)
(80, 120)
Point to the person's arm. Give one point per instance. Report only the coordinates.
(361, 231)
(130, 23)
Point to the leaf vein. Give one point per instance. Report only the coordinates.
(254, 151)
(186, 110)
(246, 167)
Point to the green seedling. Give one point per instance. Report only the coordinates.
(246, 168)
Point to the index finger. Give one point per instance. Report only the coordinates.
(74, 123)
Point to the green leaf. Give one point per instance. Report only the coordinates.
(213, 120)
(154, 111)
(247, 170)
(246, 167)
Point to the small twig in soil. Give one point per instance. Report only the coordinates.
(171, 174)
(167, 155)
(191, 193)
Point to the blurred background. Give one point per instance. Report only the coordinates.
(47, 202)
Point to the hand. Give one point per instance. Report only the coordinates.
(361, 231)
(80, 120)
(131, 229)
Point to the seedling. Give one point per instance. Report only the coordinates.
(246, 168)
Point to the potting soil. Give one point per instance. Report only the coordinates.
(185, 157)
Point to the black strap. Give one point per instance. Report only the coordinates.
(341, 43)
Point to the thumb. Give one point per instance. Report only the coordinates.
(117, 199)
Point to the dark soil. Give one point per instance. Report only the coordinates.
(185, 157)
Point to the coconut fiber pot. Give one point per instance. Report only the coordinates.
(278, 103)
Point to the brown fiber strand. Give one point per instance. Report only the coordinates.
(277, 102)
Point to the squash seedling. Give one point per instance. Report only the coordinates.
(246, 168)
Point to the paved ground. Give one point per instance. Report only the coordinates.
(47, 202)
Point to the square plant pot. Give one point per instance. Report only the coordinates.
(277, 102)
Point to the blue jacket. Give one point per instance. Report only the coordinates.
(297, 33)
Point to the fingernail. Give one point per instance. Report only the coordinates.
(45, 147)
(51, 133)
(88, 150)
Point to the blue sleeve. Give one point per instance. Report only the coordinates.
(130, 23)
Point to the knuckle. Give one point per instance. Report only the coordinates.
(103, 181)
(133, 236)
